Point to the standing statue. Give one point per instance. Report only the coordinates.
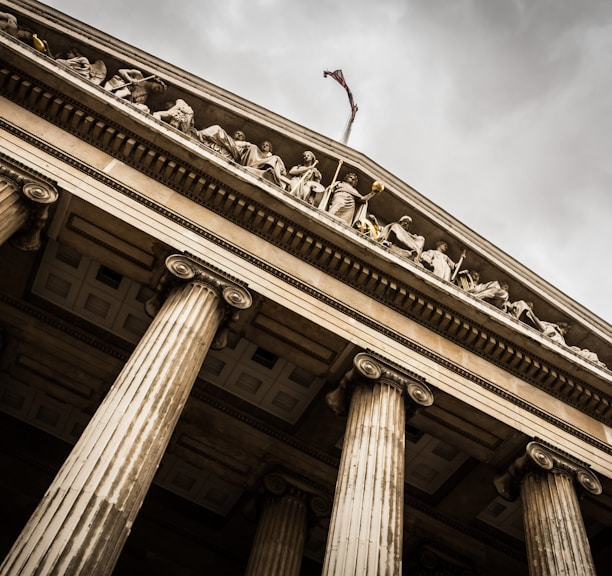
(305, 182)
(440, 264)
(179, 115)
(74, 60)
(345, 201)
(133, 86)
(399, 239)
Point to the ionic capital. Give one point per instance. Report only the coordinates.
(182, 268)
(40, 193)
(369, 369)
(33, 190)
(37, 197)
(539, 457)
(186, 268)
(279, 484)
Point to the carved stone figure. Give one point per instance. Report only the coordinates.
(555, 332)
(180, 115)
(133, 86)
(588, 355)
(216, 138)
(364, 222)
(523, 311)
(8, 23)
(399, 239)
(343, 197)
(305, 181)
(74, 60)
(369, 226)
(346, 202)
(439, 263)
(495, 292)
(264, 163)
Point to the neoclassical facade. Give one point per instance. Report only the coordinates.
(231, 345)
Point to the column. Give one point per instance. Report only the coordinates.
(24, 210)
(365, 534)
(82, 522)
(555, 536)
(281, 533)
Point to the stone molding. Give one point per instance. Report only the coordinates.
(491, 387)
(542, 458)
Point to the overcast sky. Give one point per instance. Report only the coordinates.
(499, 111)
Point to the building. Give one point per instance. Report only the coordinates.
(202, 371)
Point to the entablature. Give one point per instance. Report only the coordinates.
(37, 83)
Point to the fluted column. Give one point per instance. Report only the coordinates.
(82, 522)
(555, 536)
(24, 210)
(281, 533)
(365, 534)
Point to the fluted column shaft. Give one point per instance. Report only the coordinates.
(279, 541)
(290, 503)
(13, 210)
(365, 534)
(86, 515)
(555, 535)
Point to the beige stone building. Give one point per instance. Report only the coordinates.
(207, 367)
